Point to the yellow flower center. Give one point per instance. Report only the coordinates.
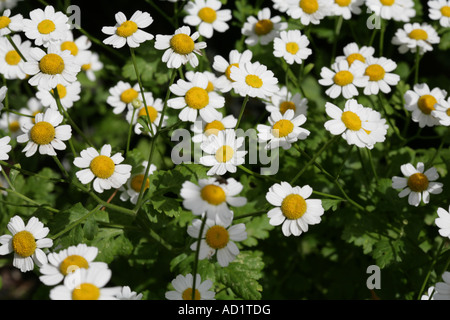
(355, 56)
(23, 243)
(4, 22)
(42, 133)
(126, 29)
(14, 126)
(418, 34)
(86, 291)
(293, 206)
(102, 167)
(51, 64)
(418, 182)
(292, 47)
(253, 81)
(12, 58)
(207, 14)
(213, 194)
(343, 3)
(129, 95)
(197, 98)
(217, 237)
(387, 2)
(210, 87)
(62, 91)
(309, 6)
(343, 78)
(71, 263)
(214, 128)
(152, 113)
(228, 70)
(263, 27)
(351, 120)
(182, 43)
(71, 46)
(224, 154)
(287, 105)
(375, 72)
(426, 103)
(46, 26)
(137, 181)
(282, 128)
(187, 294)
(33, 119)
(86, 66)
(448, 112)
(445, 10)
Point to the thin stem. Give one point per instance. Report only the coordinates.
(244, 103)
(130, 131)
(75, 223)
(382, 31)
(23, 197)
(60, 166)
(392, 125)
(255, 174)
(372, 165)
(337, 30)
(161, 12)
(197, 253)
(7, 179)
(425, 281)
(16, 48)
(416, 65)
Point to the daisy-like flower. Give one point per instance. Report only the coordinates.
(133, 186)
(221, 65)
(102, 168)
(378, 134)
(343, 79)
(11, 63)
(206, 14)
(4, 148)
(280, 5)
(284, 100)
(68, 94)
(442, 289)
(417, 184)
(254, 80)
(293, 209)
(180, 47)
(126, 294)
(184, 288)
(292, 46)
(78, 47)
(10, 24)
(212, 80)
(202, 129)
(263, 28)
(421, 101)
(26, 242)
(46, 134)
(346, 8)
(34, 106)
(10, 123)
(442, 112)
(86, 284)
(398, 10)
(223, 153)
(443, 222)
(51, 68)
(309, 11)
(439, 10)
(66, 261)
(283, 130)
(217, 238)
(353, 52)
(128, 31)
(381, 78)
(121, 95)
(194, 99)
(94, 64)
(212, 197)
(153, 109)
(355, 123)
(46, 26)
(415, 36)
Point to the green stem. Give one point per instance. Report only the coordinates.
(23, 197)
(392, 125)
(75, 223)
(416, 65)
(161, 12)
(255, 174)
(244, 103)
(382, 31)
(372, 165)
(130, 131)
(425, 281)
(15, 47)
(7, 179)
(337, 30)
(197, 253)
(60, 166)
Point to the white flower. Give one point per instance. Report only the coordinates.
(421, 101)
(293, 209)
(212, 197)
(10, 123)
(3, 91)
(353, 52)
(86, 284)
(194, 99)
(68, 94)
(283, 130)
(442, 289)
(429, 294)
(66, 261)
(11, 63)
(134, 184)
(397, 10)
(378, 134)
(8, 4)
(34, 106)
(415, 36)
(217, 238)
(416, 183)
(121, 95)
(78, 47)
(202, 129)
(26, 242)
(343, 79)
(206, 15)
(439, 10)
(154, 108)
(51, 68)
(183, 286)
(180, 47)
(292, 46)
(443, 222)
(46, 134)
(4, 148)
(442, 112)
(281, 5)
(380, 76)
(212, 80)
(46, 26)
(128, 31)
(346, 8)
(94, 64)
(10, 24)
(104, 169)
(127, 294)
(284, 100)
(253, 80)
(236, 59)
(223, 153)
(309, 11)
(263, 28)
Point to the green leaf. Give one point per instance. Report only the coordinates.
(332, 204)
(90, 228)
(387, 251)
(111, 243)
